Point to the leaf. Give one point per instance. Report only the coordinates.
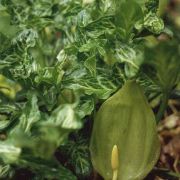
(4, 170)
(163, 59)
(86, 107)
(83, 18)
(132, 128)
(90, 64)
(30, 114)
(132, 57)
(8, 87)
(9, 153)
(153, 23)
(78, 156)
(46, 169)
(152, 5)
(65, 116)
(165, 173)
(127, 14)
(5, 27)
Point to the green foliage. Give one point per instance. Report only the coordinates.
(78, 157)
(164, 65)
(58, 61)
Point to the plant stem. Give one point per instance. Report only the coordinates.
(115, 174)
(163, 107)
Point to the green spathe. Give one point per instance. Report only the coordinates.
(125, 120)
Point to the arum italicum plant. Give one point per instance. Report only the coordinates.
(124, 143)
